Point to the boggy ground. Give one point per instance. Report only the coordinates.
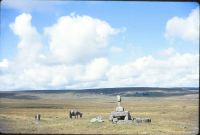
(170, 115)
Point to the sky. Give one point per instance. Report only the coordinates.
(98, 44)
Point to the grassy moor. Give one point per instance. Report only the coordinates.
(169, 114)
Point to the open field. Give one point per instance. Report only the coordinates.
(169, 115)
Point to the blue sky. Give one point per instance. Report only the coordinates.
(142, 29)
(143, 20)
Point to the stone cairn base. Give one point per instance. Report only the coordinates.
(98, 119)
(120, 116)
(141, 120)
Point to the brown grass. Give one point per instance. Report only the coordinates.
(170, 115)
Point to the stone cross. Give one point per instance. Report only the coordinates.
(118, 100)
(37, 117)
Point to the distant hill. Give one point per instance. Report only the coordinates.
(123, 91)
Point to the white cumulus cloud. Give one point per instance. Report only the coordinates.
(4, 63)
(30, 44)
(78, 38)
(96, 70)
(184, 28)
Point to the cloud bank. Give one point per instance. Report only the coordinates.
(76, 58)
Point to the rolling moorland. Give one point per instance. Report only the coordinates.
(172, 110)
